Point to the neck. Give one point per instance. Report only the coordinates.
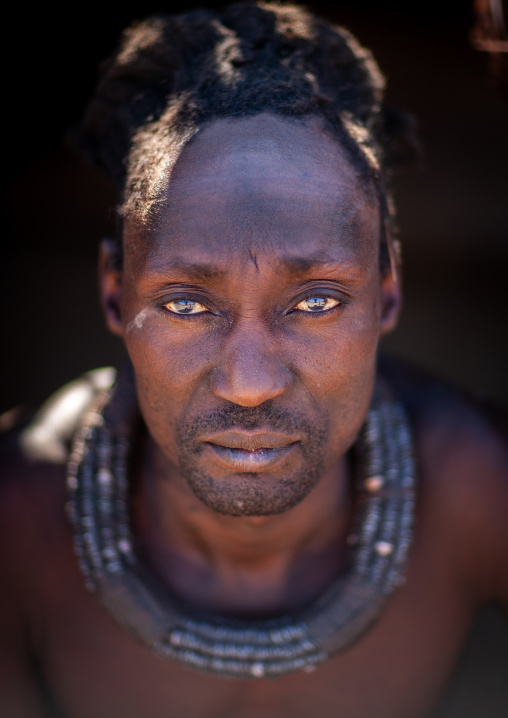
(262, 565)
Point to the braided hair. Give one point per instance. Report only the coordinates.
(172, 73)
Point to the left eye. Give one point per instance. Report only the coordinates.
(185, 306)
(317, 304)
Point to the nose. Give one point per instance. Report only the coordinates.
(251, 369)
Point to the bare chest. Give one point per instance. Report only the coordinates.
(96, 670)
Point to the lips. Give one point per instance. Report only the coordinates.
(251, 452)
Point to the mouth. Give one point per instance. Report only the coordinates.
(242, 451)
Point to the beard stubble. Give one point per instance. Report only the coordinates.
(252, 494)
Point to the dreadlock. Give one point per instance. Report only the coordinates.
(172, 73)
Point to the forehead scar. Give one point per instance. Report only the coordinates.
(138, 320)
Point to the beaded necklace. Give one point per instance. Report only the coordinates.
(139, 601)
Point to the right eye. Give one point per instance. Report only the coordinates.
(184, 307)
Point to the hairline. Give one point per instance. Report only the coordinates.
(368, 179)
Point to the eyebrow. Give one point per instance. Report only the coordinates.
(196, 271)
(301, 265)
(203, 272)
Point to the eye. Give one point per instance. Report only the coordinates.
(185, 306)
(317, 304)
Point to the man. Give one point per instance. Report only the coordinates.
(260, 519)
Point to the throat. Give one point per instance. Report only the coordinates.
(248, 567)
(265, 588)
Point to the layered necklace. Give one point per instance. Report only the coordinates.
(136, 597)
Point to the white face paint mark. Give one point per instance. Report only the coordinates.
(138, 320)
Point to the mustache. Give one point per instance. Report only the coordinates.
(266, 416)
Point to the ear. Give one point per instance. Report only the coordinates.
(391, 290)
(110, 283)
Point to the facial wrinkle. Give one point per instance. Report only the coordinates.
(253, 258)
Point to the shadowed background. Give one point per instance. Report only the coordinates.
(453, 218)
(453, 213)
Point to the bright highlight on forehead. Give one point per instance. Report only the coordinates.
(266, 148)
(264, 182)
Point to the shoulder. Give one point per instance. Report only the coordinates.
(31, 524)
(33, 528)
(461, 449)
(33, 450)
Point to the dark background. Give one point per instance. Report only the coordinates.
(453, 213)
(453, 217)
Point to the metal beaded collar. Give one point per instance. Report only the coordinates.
(138, 600)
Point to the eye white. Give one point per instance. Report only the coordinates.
(185, 306)
(317, 304)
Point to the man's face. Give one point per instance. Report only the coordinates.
(251, 308)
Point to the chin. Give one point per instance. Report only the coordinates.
(252, 494)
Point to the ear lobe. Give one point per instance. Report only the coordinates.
(110, 282)
(391, 290)
(391, 302)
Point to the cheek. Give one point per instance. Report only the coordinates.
(337, 366)
(170, 367)
(337, 355)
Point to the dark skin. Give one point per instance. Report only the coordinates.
(255, 284)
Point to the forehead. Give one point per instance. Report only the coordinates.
(262, 185)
